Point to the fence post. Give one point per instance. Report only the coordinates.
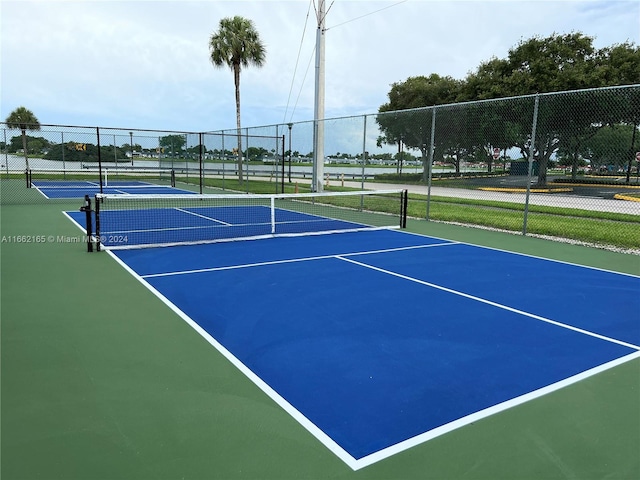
(100, 158)
(430, 160)
(246, 159)
(364, 152)
(531, 154)
(224, 158)
(275, 162)
(64, 168)
(6, 151)
(200, 141)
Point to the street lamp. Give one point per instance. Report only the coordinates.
(290, 125)
(131, 146)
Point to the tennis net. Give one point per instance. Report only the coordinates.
(135, 221)
(91, 177)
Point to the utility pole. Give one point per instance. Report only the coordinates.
(318, 113)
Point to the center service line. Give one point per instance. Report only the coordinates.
(493, 304)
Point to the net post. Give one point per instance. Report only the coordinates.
(97, 212)
(173, 178)
(86, 208)
(27, 174)
(404, 199)
(273, 215)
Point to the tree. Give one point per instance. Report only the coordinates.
(413, 128)
(422, 91)
(237, 45)
(619, 65)
(24, 119)
(35, 145)
(553, 64)
(608, 149)
(557, 63)
(172, 143)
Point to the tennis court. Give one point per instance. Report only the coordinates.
(79, 188)
(375, 340)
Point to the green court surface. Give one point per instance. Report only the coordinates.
(101, 380)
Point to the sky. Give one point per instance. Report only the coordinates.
(146, 64)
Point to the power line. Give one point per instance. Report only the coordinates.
(320, 20)
(366, 14)
(313, 2)
(293, 78)
(303, 82)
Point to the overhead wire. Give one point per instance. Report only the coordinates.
(313, 2)
(366, 14)
(303, 81)
(295, 70)
(320, 20)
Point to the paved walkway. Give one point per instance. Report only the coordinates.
(546, 199)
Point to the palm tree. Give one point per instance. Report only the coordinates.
(237, 44)
(24, 119)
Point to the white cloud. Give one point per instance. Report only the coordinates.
(145, 63)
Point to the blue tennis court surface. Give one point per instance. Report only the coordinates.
(378, 341)
(80, 188)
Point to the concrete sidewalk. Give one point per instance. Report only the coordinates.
(544, 199)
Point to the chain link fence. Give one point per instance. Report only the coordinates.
(58, 163)
(564, 165)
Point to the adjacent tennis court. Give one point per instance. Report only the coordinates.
(80, 188)
(375, 340)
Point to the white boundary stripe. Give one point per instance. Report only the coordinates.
(62, 187)
(276, 397)
(291, 260)
(353, 463)
(97, 185)
(500, 407)
(39, 190)
(526, 255)
(82, 229)
(493, 304)
(215, 220)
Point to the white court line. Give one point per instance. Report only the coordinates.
(493, 304)
(326, 440)
(353, 463)
(41, 192)
(291, 260)
(203, 216)
(529, 255)
(487, 412)
(66, 187)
